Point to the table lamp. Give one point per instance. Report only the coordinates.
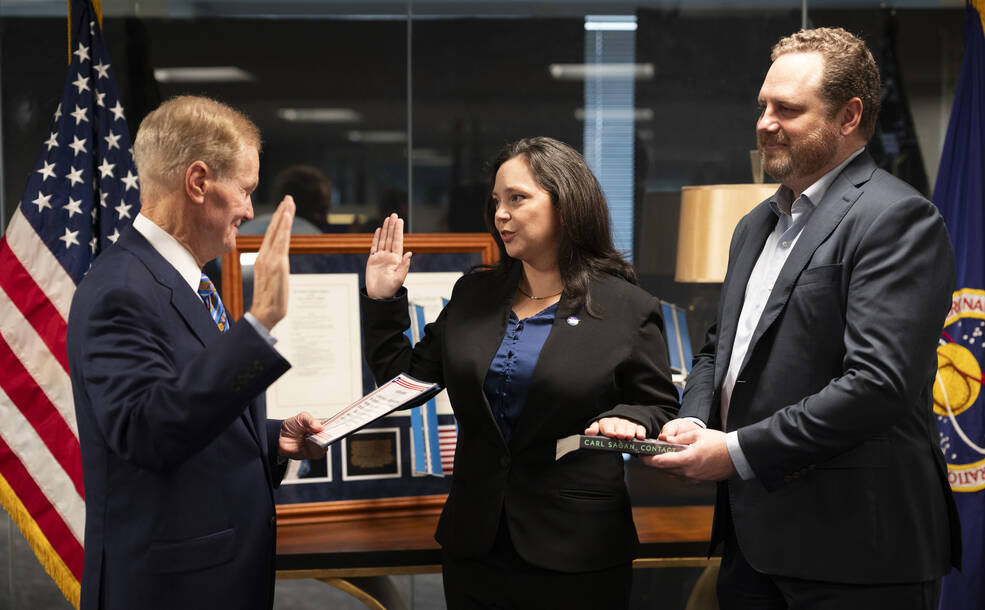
(708, 218)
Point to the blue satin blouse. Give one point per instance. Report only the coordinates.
(508, 379)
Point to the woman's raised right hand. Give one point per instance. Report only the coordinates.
(387, 265)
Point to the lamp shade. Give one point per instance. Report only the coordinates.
(708, 218)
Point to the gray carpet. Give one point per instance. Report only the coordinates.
(24, 585)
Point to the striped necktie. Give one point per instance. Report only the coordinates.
(206, 290)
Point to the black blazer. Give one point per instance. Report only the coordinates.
(833, 401)
(570, 515)
(178, 457)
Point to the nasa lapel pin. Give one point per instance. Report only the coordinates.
(573, 321)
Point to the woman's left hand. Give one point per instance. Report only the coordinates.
(616, 427)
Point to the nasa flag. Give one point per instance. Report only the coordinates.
(958, 400)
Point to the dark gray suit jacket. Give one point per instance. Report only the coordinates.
(833, 400)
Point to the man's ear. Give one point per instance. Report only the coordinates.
(197, 178)
(850, 116)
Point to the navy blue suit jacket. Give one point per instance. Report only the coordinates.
(178, 457)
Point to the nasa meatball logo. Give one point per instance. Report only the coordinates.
(957, 388)
(959, 379)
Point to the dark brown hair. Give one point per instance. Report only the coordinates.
(849, 70)
(311, 189)
(586, 240)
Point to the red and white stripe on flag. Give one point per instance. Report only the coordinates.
(40, 464)
(447, 439)
(82, 191)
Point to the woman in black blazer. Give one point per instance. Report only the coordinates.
(555, 340)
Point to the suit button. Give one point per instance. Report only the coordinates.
(273, 521)
(504, 461)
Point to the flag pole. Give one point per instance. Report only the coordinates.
(96, 6)
(3, 196)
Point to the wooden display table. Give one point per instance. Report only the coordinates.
(347, 544)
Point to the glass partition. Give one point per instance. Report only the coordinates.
(400, 105)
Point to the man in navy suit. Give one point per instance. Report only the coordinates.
(179, 459)
(811, 401)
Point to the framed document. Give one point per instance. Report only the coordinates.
(321, 339)
(322, 345)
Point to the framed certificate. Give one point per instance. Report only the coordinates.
(319, 336)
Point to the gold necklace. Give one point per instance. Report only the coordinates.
(533, 298)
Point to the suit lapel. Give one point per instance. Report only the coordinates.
(562, 341)
(488, 331)
(190, 307)
(184, 300)
(825, 218)
(756, 227)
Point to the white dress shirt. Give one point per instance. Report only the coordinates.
(184, 263)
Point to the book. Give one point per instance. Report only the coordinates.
(647, 446)
(401, 392)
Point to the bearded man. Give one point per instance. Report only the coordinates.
(811, 402)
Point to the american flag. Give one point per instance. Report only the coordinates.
(82, 192)
(447, 440)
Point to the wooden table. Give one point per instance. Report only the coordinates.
(349, 545)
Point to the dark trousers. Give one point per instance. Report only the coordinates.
(502, 580)
(741, 587)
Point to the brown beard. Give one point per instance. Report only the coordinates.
(803, 157)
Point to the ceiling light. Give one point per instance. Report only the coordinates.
(610, 23)
(203, 74)
(378, 137)
(319, 115)
(615, 114)
(614, 70)
(429, 157)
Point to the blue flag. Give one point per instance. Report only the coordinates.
(958, 400)
(432, 444)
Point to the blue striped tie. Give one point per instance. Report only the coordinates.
(206, 290)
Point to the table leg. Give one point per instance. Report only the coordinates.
(703, 595)
(377, 592)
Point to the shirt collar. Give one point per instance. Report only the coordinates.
(171, 249)
(813, 194)
(548, 313)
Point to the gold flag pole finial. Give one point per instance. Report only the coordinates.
(980, 7)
